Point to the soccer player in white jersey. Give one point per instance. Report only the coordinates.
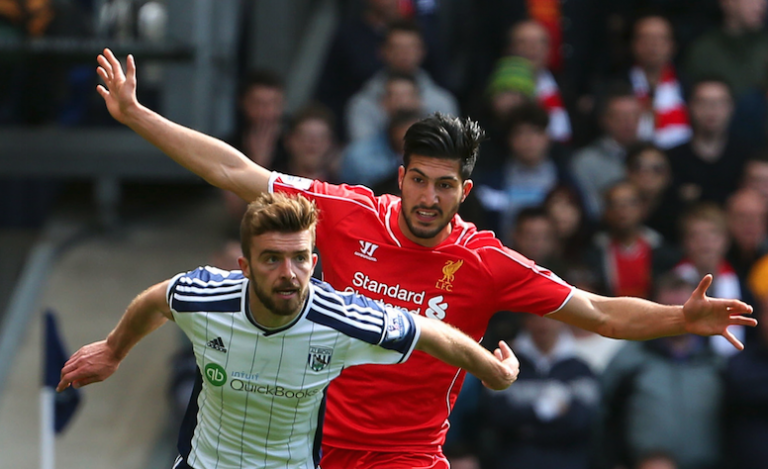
(268, 340)
(415, 253)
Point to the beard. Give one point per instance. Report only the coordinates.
(428, 233)
(281, 307)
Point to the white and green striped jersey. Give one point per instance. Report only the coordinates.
(259, 398)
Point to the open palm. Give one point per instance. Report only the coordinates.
(119, 89)
(712, 316)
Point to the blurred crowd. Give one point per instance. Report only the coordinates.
(626, 152)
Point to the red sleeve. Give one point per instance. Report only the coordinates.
(519, 285)
(335, 202)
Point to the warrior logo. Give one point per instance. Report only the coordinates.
(449, 273)
(319, 357)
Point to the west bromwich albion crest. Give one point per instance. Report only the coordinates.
(319, 357)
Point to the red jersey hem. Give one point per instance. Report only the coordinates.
(383, 447)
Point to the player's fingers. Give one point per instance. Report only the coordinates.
(743, 321)
(498, 355)
(117, 69)
(103, 75)
(102, 91)
(505, 349)
(86, 381)
(62, 385)
(104, 63)
(701, 290)
(737, 307)
(733, 340)
(130, 68)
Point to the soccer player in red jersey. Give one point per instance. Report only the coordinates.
(415, 253)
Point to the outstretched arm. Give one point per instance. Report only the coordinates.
(98, 361)
(638, 319)
(213, 160)
(442, 341)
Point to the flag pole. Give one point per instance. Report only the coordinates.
(47, 434)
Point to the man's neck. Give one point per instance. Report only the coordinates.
(652, 75)
(709, 147)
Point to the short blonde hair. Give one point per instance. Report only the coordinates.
(277, 213)
(704, 211)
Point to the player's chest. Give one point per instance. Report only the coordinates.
(294, 364)
(437, 284)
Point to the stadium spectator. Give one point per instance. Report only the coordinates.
(705, 241)
(654, 79)
(735, 51)
(662, 396)
(511, 85)
(532, 168)
(261, 127)
(648, 169)
(272, 303)
(601, 164)
(310, 144)
(530, 39)
(353, 55)
(746, 400)
(402, 52)
(534, 237)
(564, 206)
(708, 167)
(627, 255)
(375, 159)
(756, 174)
(389, 245)
(544, 420)
(747, 214)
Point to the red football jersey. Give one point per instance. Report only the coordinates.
(463, 281)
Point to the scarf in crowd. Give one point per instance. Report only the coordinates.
(668, 124)
(548, 95)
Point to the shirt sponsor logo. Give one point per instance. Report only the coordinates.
(367, 249)
(449, 274)
(364, 282)
(319, 357)
(215, 374)
(270, 390)
(437, 308)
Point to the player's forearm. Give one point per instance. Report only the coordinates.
(147, 312)
(452, 346)
(638, 319)
(215, 161)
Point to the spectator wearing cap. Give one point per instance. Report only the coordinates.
(511, 84)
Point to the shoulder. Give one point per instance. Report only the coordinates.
(206, 289)
(348, 313)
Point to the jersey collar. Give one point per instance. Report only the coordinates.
(268, 332)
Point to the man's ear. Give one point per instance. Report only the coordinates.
(400, 177)
(466, 188)
(244, 266)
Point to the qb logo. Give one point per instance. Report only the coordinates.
(215, 374)
(436, 308)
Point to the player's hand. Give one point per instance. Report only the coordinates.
(711, 316)
(120, 91)
(91, 364)
(509, 370)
